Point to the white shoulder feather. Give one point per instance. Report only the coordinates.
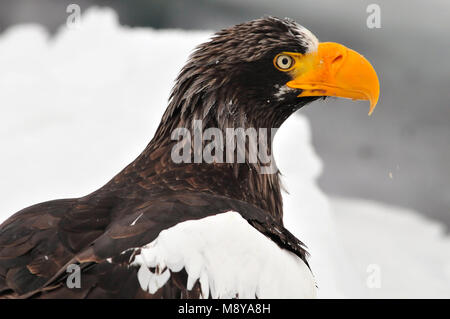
(228, 256)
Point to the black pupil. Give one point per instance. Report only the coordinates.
(285, 61)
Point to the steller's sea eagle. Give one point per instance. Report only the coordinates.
(164, 228)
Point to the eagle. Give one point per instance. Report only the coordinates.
(196, 227)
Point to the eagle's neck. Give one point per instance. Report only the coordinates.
(253, 181)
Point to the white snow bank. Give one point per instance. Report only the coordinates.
(410, 253)
(76, 108)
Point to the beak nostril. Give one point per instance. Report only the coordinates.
(337, 59)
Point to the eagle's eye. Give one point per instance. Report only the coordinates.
(283, 62)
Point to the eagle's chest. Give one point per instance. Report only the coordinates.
(228, 257)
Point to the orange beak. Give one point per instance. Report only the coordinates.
(335, 70)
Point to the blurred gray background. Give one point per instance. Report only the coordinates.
(401, 154)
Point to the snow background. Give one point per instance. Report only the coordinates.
(79, 106)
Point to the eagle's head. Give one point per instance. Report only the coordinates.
(259, 72)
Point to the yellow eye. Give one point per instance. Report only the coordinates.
(283, 62)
